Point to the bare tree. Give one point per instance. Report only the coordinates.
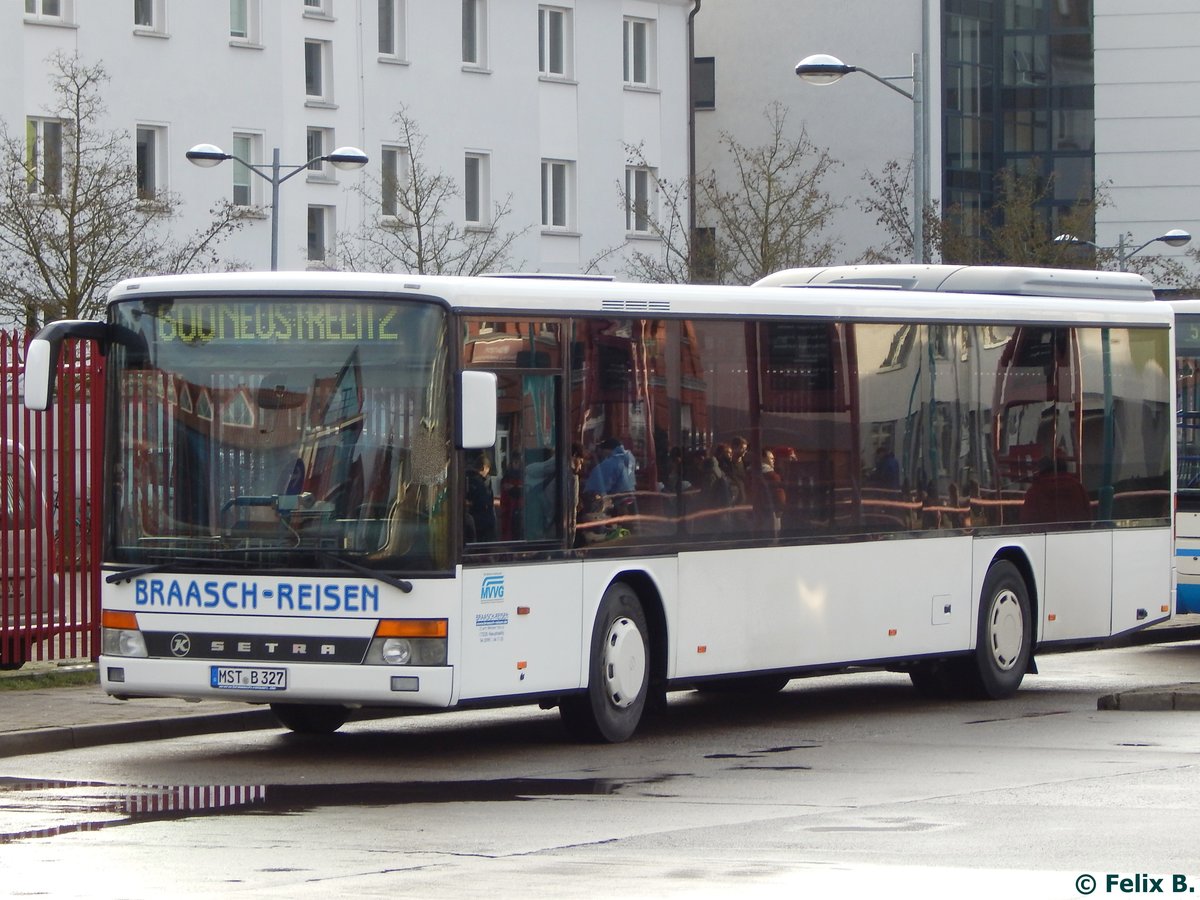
(1016, 230)
(890, 201)
(771, 214)
(412, 228)
(73, 221)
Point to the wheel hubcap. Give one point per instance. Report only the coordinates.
(624, 662)
(1007, 631)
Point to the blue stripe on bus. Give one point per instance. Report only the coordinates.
(1187, 598)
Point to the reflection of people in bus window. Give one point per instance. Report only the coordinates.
(767, 493)
(1055, 495)
(614, 477)
(574, 486)
(887, 470)
(481, 504)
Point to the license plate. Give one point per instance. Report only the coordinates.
(245, 678)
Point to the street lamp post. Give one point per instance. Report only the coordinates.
(821, 69)
(345, 158)
(1176, 237)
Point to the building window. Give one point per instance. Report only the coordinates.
(44, 155)
(638, 211)
(556, 193)
(147, 14)
(317, 7)
(56, 10)
(149, 154)
(554, 41)
(320, 233)
(317, 79)
(244, 19)
(474, 33)
(639, 52)
(392, 175)
(245, 183)
(391, 28)
(475, 188)
(704, 83)
(319, 142)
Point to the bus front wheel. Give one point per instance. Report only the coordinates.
(310, 718)
(618, 672)
(1004, 643)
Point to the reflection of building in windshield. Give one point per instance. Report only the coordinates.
(246, 431)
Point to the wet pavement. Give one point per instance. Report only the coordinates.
(50, 719)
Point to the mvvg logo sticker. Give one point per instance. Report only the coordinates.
(492, 588)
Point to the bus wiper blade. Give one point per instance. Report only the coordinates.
(134, 572)
(399, 583)
(150, 568)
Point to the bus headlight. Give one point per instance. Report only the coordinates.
(120, 634)
(409, 642)
(122, 642)
(396, 651)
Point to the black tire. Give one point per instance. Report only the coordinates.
(310, 718)
(1004, 642)
(618, 672)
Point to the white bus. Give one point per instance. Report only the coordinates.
(1187, 498)
(327, 491)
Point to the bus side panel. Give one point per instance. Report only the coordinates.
(1187, 560)
(1077, 598)
(1141, 577)
(516, 624)
(788, 607)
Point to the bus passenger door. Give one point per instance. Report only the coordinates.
(520, 629)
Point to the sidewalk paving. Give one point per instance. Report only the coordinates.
(46, 720)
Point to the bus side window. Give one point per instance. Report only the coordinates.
(527, 465)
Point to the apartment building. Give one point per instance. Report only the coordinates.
(525, 104)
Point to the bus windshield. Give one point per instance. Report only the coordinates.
(295, 432)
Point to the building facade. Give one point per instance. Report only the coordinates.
(1097, 92)
(525, 104)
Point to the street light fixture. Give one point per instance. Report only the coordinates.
(1176, 237)
(822, 69)
(208, 155)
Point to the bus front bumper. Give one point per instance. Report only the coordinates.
(401, 686)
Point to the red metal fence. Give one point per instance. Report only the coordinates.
(50, 505)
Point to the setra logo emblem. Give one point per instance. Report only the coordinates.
(181, 645)
(492, 588)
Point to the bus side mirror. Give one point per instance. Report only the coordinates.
(477, 406)
(41, 359)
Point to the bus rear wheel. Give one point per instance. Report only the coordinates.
(310, 718)
(618, 672)
(1004, 642)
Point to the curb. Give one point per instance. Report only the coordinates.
(1178, 697)
(51, 740)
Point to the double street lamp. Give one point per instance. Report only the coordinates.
(821, 69)
(1176, 237)
(345, 158)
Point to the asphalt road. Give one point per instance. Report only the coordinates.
(842, 786)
